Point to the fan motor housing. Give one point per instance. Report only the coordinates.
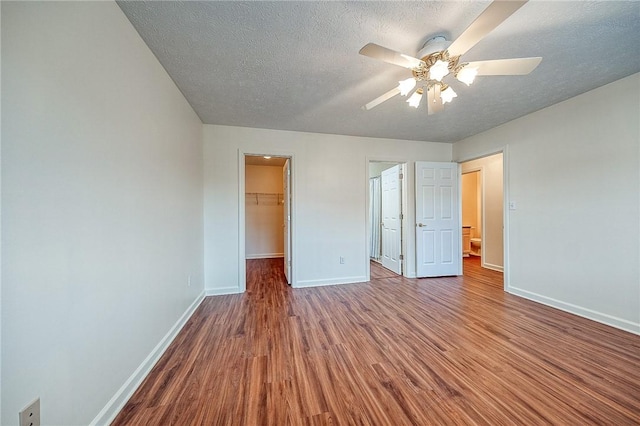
(434, 45)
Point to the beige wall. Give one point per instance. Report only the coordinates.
(490, 205)
(330, 208)
(470, 205)
(266, 179)
(264, 212)
(573, 172)
(102, 245)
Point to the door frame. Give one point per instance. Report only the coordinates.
(479, 170)
(286, 202)
(242, 263)
(408, 250)
(505, 204)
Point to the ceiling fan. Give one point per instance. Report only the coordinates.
(439, 58)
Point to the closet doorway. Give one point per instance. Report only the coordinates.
(267, 212)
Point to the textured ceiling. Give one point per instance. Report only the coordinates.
(295, 65)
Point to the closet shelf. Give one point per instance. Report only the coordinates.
(265, 197)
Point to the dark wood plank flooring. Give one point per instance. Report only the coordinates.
(394, 351)
(378, 271)
(473, 271)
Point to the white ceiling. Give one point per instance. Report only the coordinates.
(295, 65)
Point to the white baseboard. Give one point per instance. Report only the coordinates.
(600, 317)
(334, 281)
(221, 291)
(264, 255)
(117, 402)
(493, 267)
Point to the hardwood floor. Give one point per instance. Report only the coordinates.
(378, 271)
(473, 270)
(394, 351)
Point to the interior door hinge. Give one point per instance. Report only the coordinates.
(401, 257)
(401, 216)
(401, 176)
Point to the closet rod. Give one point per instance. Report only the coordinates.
(257, 195)
(263, 193)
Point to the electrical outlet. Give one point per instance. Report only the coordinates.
(341, 260)
(189, 281)
(30, 415)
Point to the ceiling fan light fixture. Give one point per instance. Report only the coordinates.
(405, 86)
(466, 75)
(414, 100)
(438, 70)
(439, 58)
(447, 95)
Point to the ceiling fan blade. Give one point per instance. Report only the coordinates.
(380, 99)
(492, 16)
(516, 66)
(375, 51)
(434, 101)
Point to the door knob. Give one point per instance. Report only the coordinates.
(421, 225)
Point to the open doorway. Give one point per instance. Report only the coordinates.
(482, 187)
(471, 184)
(267, 211)
(386, 201)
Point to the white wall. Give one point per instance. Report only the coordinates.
(330, 189)
(101, 207)
(264, 212)
(573, 170)
(491, 193)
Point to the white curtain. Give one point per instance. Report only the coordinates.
(375, 211)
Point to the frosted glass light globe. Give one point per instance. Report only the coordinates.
(447, 95)
(406, 86)
(438, 70)
(467, 75)
(414, 100)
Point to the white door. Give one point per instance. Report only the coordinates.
(286, 193)
(391, 222)
(437, 220)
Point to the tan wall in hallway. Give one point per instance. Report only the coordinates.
(470, 205)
